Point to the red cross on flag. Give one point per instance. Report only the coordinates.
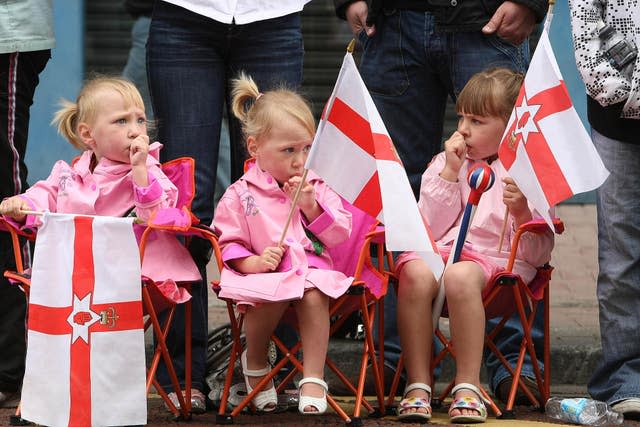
(353, 153)
(85, 361)
(545, 147)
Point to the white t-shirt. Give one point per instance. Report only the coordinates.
(241, 11)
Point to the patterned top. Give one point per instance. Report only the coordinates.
(604, 83)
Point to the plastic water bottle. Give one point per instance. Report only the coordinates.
(582, 411)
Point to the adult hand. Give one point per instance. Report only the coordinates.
(513, 22)
(455, 151)
(356, 15)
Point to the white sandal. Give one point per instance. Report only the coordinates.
(415, 403)
(320, 403)
(263, 399)
(470, 403)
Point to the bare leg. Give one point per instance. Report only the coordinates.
(313, 317)
(463, 283)
(260, 322)
(416, 290)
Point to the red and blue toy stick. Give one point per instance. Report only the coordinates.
(480, 179)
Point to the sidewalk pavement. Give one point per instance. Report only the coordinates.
(575, 335)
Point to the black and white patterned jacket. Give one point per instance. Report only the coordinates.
(604, 83)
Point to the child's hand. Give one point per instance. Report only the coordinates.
(138, 150)
(12, 206)
(307, 198)
(270, 258)
(455, 151)
(515, 202)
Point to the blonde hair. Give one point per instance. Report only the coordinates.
(258, 112)
(492, 92)
(85, 109)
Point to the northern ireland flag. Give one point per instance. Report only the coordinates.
(545, 147)
(353, 153)
(85, 356)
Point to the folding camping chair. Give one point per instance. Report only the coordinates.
(526, 300)
(365, 294)
(183, 224)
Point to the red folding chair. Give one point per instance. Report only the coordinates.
(524, 299)
(156, 298)
(365, 294)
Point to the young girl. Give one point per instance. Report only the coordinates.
(261, 276)
(484, 106)
(118, 172)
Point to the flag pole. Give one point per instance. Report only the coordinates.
(41, 213)
(294, 203)
(504, 228)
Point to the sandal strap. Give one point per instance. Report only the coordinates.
(417, 386)
(415, 402)
(252, 372)
(313, 380)
(470, 387)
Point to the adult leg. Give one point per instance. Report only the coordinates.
(136, 67)
(618, 205)
(184, 68)
(271, 52)
(19, 77)
(405, 73)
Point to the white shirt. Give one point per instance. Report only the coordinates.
(26, 25)
(241, 11)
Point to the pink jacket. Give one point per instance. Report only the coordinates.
(442, 204)
(110, 191)
(251, 216)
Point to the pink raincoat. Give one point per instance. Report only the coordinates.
(109, 191)
(251, 216)
(442, 203)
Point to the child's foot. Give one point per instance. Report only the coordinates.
(415, 405)
(468, 405)
(265, 400)
(313, 396)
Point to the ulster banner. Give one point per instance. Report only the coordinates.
(545, 147)
(85, 358)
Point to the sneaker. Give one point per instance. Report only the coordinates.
(9, 399)
(198, 403)
(630, 408)
(502, 392)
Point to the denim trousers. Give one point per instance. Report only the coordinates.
(136, 67)
(411, 68)
(190, 61)
(19, 77)
(618, 206)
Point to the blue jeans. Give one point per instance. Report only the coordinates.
(190, 61)
(411, 69)
(618, 204)
(136, 67)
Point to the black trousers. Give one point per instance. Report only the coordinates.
(19, 76)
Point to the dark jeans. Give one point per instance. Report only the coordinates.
(19, 77)
(411, 69)
(190, 61)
